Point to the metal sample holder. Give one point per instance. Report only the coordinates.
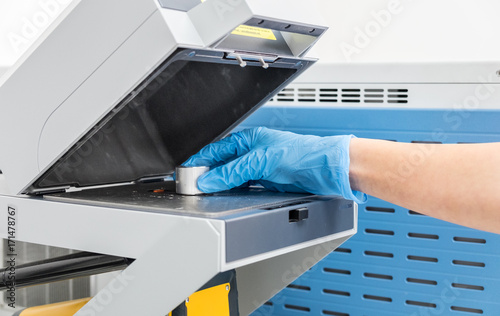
(111, 99)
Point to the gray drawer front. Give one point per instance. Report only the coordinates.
(277, 228)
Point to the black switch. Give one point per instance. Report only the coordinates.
(298, 215)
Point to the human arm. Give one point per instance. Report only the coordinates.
(458, 183)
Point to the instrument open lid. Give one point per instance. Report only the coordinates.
(144, 86)
(192, 99)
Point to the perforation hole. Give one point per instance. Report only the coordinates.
(328, 95)
(468, 286)
(423, 236)
(268, 303)
(380, 209)
(337, 271)
(350, 95)
(343, 250)
(297, 308)
(299, 287)
(377, 298)
(421, 281)
(421, 304)
(377, 276)
(332, 313)
(410, 212)
(422, 258)
(425, 142)
(379, 254)
(469, 263)
(466, 309)
(379, 232)
(470, 240)
(336, 292)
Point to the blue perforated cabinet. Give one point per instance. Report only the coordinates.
(399, 262)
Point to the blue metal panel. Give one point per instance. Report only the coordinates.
(400, 262)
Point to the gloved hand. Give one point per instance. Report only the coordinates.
(280, 161)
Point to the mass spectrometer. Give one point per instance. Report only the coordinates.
(115, 95)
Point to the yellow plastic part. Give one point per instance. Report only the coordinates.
(211, 301)
(68, 308)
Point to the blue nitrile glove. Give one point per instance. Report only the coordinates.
(280, 161)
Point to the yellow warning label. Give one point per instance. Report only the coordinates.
(253, 31)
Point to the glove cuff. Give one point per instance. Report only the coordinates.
(344, 182)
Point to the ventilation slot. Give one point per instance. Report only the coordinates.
(374, 96)
(421, 258)
(343, 250)
(286, 95)
(307, 95)
(351, 95)
(379, 232)
(377, 276)
(397, 96)
(469, 263)
(335, 292)
(298, 308)
(470, 240)
(299, 287)
(269, 303)
(328, 95)
(379, 254)
(338, 271)
(421, 304)
(421, 281)
(466, 309)
(379, 209)
(377, 298)
(468, 286)
(332, 313)
(423, 236)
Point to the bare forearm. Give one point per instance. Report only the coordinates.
(456, 183)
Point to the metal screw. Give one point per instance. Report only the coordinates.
(187, 300)
(498, 73)
(241, 61)
(227, 287)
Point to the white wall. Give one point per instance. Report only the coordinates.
(360, 30)
(410, 30)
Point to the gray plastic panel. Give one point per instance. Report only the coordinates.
(180, 5)
(272, 229)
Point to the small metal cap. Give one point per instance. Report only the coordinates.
(186, 179)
